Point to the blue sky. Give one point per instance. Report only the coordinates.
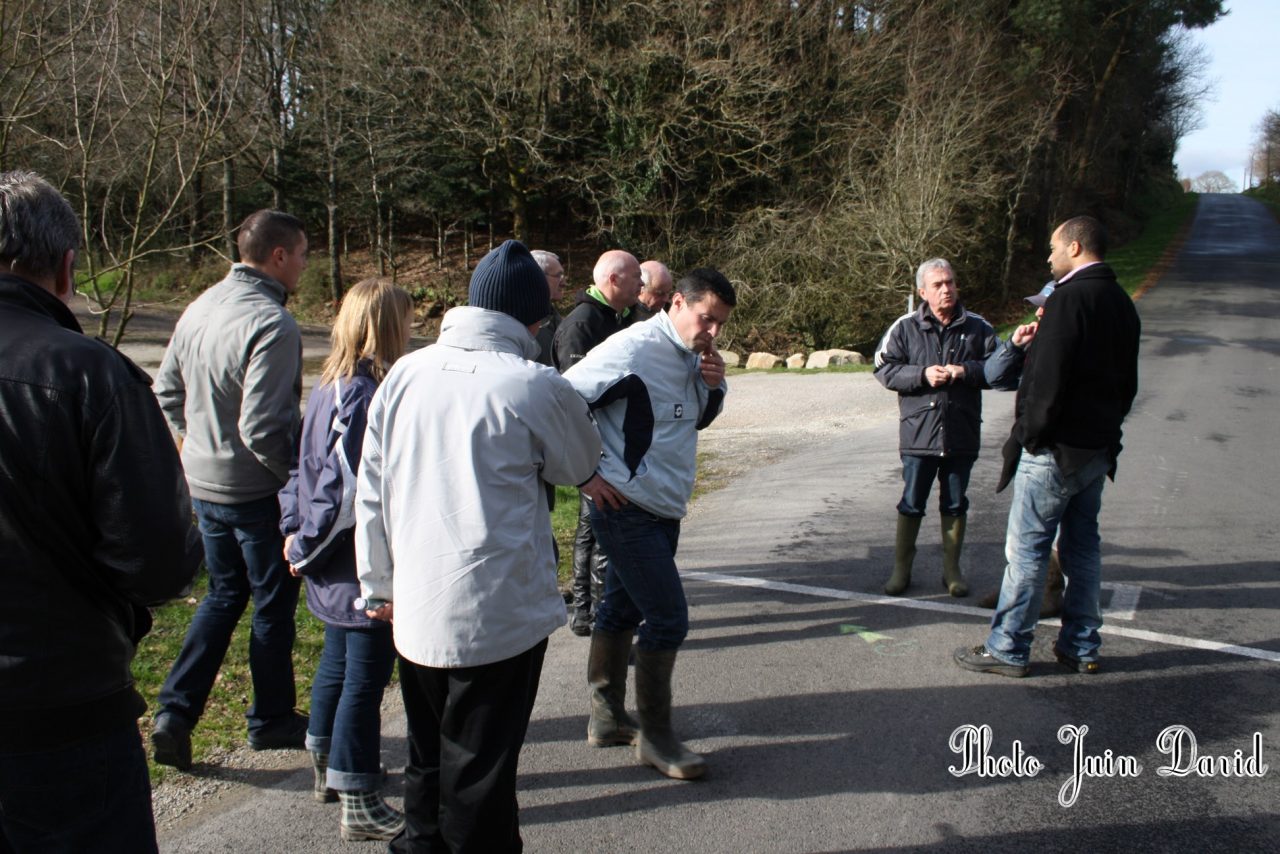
(1244, 54)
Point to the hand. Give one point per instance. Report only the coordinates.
(1023, 334)
(602, 493)
(293, 570)
(383, 612)
(937, 375)
(956, 372)
(712, 367)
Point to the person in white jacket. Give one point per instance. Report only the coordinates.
(651, 386)
(453, 541)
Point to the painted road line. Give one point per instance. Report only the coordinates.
(948, 608)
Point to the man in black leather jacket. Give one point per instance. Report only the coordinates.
(95, 524)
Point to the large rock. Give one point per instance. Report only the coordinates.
(731, 359)
(832, 358)
(795, 360)
(763, 361)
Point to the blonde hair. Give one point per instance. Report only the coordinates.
(370, 325)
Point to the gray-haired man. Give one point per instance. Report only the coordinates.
(95, 524)
(934, 358)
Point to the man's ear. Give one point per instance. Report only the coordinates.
(677, 301)
(64, 278)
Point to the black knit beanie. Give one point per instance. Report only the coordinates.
(510, 281)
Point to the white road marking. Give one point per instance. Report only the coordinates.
(947, 607)
(1124, 600)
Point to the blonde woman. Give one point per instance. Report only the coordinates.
(317, 520)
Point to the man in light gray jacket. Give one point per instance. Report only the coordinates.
(651, 386)
(454, 537)
(230, 386)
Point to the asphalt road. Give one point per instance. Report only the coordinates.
(826, 710)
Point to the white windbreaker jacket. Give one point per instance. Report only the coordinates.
(646, 390)
(451, 513)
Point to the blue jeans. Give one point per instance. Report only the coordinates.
(642, 582)
(346, 700)
(93, 796)
(918, 475)
(243, 553)
(1047, 504)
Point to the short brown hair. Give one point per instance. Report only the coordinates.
(262, 231)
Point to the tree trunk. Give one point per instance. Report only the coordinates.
(197, 218)
(335, 263)
(228, 210)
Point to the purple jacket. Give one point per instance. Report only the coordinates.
(317, 504)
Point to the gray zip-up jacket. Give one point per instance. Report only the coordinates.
(231, 384)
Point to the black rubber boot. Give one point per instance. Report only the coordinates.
(599, 566)
(952, 543)
(904, 554)
(584, 548)
(1051, 605)
(658, 745)
(321, 792)
(609, 723)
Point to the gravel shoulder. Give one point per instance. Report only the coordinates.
(769, 415)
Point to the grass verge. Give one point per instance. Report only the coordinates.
(1140, 262)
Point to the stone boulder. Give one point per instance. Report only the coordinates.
(832, 358)
(795, 360)
(731, 359)
(763, 361)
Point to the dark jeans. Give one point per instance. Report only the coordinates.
(918, 475)
(642, 585)
(93, 797)
(243, 552)
(466, 728)
(346, 701)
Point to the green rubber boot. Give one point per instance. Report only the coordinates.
(904, 554)
(658, 745)
(607, 675)
(952, 543)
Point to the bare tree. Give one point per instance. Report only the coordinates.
(146, 117)
(1213, 181)
(1265, 160)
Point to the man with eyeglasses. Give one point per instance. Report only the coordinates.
(655, 290)
(554, 271)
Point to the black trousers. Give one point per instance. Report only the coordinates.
(466, 728)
